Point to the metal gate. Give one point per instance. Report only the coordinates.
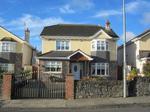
(37, 88)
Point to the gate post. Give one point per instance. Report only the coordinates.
(7, 86)
(69, 87)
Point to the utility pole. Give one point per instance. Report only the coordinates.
(124, 51)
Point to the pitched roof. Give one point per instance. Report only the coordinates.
(57, 54)
(140, 36)
(62, 54)
(75, 30)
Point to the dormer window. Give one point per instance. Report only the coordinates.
(100, 45)
(62, 45)
(7, 46)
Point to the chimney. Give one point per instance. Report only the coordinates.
(107, 26)
(27, 34)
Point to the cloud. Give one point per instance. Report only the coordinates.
(66, 9)
(34, 23)
(107, 13)
(137, 6)
(129, 36)
(76, 5)
(146, 18)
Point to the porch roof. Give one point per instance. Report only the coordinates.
(66, 55)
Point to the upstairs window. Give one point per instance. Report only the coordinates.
(7, 46)
(99, 45)
(62, 45)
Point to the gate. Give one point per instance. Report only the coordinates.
(38, 88)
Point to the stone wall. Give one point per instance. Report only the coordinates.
(142, 86)
(98, 88)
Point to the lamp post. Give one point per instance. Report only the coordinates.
(124, 51)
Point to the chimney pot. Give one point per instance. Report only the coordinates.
(27, 34)
(107, 26)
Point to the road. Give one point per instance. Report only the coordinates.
(131, 108)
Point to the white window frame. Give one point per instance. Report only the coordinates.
(99, 43)
(7, 67)
(54, 64)
(7, 46)
(63, 44)
(99, 65)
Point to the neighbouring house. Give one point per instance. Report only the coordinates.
(137, 51)
(15, 53)
(83, 50)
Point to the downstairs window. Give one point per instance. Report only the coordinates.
(100, 69)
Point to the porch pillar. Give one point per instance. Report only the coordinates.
(7, 86)
(69, 87)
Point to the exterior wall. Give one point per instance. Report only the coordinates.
(131, 54)
(27, 55)
(84, 45)
(113, 50)
(14, 58)
(113, 70)
(105, 55)
(48, 45)
(145, 43)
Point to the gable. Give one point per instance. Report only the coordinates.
(5, 34)
(102, 35)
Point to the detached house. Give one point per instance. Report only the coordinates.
(137, 51)
(83, 50)
(15, 53)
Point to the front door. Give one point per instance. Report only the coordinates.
(76, 70)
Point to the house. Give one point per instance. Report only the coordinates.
(15, 53)
(137, 51)
(83, 50)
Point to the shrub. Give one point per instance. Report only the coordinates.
(1, 73)
(146, 69)
(132, 74)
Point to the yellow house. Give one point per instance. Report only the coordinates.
(83, 50)
(15, 53)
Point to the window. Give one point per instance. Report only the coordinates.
(62, 45)
(99, 45)
(7, 46)
(7, 67)
(100, 69)
(53, 66)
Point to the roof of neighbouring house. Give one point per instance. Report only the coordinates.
(75, 30)
(140, 36)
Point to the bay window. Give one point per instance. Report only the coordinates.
(100, 45)
(62, 45)
(100, 69)
(53, 66)
(7, 46)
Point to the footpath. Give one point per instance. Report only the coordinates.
(77, 103)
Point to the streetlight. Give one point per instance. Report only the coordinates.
(124, 51)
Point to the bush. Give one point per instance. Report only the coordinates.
(1, 73)
(132, 74)
(146, 69)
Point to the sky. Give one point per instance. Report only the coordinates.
(36, 14)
